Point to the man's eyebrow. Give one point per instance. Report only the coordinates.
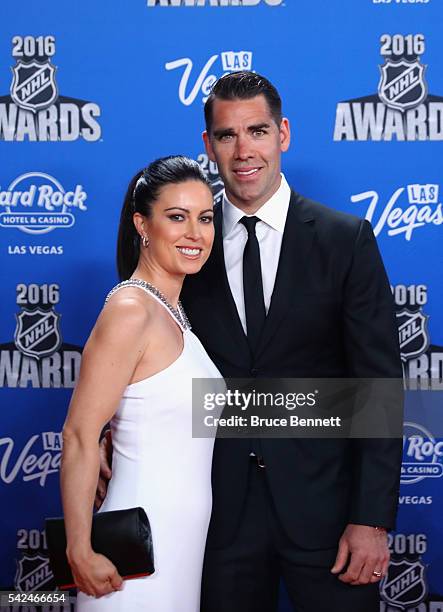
(223, 132)
(230, 131)
(259, 126)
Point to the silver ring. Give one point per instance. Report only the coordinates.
(378, 574)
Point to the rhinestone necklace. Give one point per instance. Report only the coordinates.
(178, 313)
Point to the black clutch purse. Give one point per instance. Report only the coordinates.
(124, 536)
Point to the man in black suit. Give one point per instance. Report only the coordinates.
(314, 512)
(292, 289)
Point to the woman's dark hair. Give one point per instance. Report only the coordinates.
(143, 190)
(243, 85)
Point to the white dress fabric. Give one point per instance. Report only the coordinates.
(158, 465)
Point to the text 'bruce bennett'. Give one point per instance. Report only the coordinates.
(269, 422)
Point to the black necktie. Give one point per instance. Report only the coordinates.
(253, 284)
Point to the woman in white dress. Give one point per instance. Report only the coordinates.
(137, 371)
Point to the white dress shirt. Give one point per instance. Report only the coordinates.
(269, 231)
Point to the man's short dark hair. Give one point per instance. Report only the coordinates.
(244, 85)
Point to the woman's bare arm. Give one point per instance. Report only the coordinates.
(110, 357)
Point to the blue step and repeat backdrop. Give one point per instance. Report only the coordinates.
(92, 91)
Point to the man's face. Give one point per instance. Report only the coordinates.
(246, 143)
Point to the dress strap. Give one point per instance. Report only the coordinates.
(178, 314)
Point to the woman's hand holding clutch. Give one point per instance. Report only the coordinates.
(95, 574)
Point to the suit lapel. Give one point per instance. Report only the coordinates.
(292, 267)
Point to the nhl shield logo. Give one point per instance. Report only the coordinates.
(33, 85)
(33, 573)
(413, 333)
(404, 586)
(37, 333)
(402, 84)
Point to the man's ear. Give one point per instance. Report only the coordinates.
(285, 134)
(208, 146)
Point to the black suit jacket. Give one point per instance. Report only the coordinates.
(331, 315)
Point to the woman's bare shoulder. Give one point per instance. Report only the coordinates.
(128, 312)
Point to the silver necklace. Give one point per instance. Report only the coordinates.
(178, 313)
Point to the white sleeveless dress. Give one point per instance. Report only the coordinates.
(158, 465)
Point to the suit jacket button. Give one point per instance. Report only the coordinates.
(254, 372)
